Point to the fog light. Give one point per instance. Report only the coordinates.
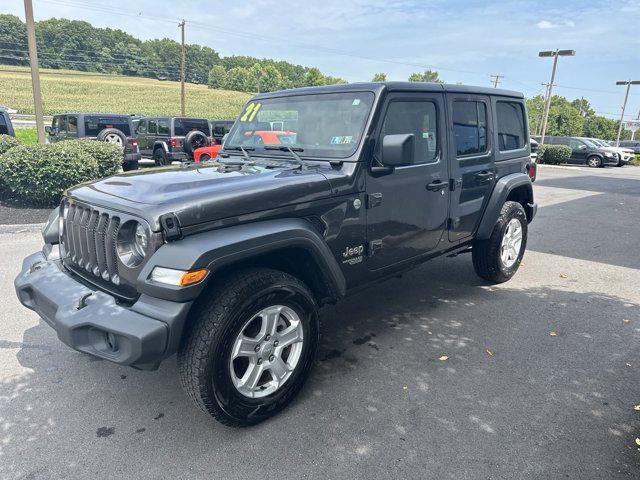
(178, 278)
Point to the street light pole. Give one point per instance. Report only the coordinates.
(628, 83)
(182, 109)
(555, 54)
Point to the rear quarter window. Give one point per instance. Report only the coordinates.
(182, 126)
(94, 124)
(510, 126)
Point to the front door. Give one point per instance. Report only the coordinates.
(578, 151)
(407, 207)
(471, 164)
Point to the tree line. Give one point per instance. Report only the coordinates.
(78, 45)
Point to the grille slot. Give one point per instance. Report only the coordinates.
(89, 241)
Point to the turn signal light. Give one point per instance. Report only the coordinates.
(194, 276)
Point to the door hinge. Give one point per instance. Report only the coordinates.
(454, 183)
(374, 246)
(373, 200)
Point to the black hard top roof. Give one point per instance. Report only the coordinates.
(378, 87)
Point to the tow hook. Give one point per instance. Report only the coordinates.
(83, 300)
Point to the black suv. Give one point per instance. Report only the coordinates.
(104, 127)
(6, 127)
(227, 263)
(166, 139)
(584, 151)
(219, 128)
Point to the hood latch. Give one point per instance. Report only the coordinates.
(170, 227)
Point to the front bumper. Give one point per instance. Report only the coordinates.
(91, 321)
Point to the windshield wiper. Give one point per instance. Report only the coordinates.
(244, 151)
(291, 150)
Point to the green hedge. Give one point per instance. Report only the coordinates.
(108, 155)
(41, 173)
(553, 154)
(7, 142)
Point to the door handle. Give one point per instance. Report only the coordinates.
(437, 185)
(484, 177)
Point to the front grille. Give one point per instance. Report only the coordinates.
(89, 241)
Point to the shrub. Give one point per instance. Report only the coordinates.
(7, 142)
(41, 173)
(540, 152)
(108, 155)
(556, 154)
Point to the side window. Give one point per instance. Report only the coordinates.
(62, 125)
(511, 132)
(417, 118)
(163, 127)
(153, 127)
(142, 127)
(72, 126)
(470, 127)
(55, 124)
(575, 144)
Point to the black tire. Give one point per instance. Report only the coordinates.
(487, 260)
(214, 324)
(194, 140)
(160, 157)
(112, 135)
(594, 161)
(128, 166)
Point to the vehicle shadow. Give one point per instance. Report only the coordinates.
(509, 400)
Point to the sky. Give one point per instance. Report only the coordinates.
(465, 41)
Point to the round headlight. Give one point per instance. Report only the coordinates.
(133, 242)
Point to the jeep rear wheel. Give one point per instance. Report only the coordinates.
(160, 157)
(250, 346)
(498, 258)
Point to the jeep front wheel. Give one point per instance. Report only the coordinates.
(250, 345)
(498, 258)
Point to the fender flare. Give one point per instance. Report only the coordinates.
(161, 144)
(219, 248)
(501, 190)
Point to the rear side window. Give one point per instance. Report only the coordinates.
(163, 127)
(153, 127)
(470, 127)
(72, 126)
(94, 124)
(142, 127)
(511, 131)
(182, 126)
(417, 118)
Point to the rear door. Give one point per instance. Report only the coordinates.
(72, 127)
(471, 163)
(407, 208)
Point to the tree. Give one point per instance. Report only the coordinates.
(427, 76)
(583, 106)
(329, 80)
(270, 79)
(379, 77)
(241, 79)
(314, 77)
(600, 127)
(217, 77)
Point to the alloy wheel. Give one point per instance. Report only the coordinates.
(511, 243)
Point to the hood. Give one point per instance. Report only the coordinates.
(204, 192)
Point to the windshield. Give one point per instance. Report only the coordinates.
(322, 125)
(590, 143)
(600, 143)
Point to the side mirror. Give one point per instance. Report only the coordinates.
(582, 147)
(47, 129)
(398, 149)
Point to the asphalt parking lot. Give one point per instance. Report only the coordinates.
(541, 378)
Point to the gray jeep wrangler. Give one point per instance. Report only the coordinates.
(317, 192)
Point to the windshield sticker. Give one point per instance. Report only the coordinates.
(341, 140)
(250, 112)
(356, 101)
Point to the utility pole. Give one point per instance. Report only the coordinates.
(181, 25)
(628, 83)
(555, 54)
(35, 73)
(496, 80)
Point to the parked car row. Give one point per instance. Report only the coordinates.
(590, 151)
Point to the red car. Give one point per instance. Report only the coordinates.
(260, 137)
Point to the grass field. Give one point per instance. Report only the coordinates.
(27, 135)
(72, 91)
